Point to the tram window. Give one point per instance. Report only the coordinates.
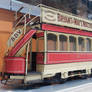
(63, 43)
(88, 44)
(41, 44)
(51, 41)
(81, 44)
(72, 41)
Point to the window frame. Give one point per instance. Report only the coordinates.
(56, 34)
(66, 42)
(84, 44)
(68, 48)
(74, 43)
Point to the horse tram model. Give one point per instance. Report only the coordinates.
(55, 45)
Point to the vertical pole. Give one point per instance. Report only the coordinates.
(58, 43)
(25, 24)
(10, 4)
(26, 65)
(45, 46)
(85, 45)
(27, 50)
(68, 46)
(77, 44)
(91, 44)
(31, 54)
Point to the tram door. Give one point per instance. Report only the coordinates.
(32, 56)
(36, 46)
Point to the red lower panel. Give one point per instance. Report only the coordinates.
(55, 58)
(15, 65)
(40, 58)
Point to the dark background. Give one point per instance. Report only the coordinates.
(79, 7)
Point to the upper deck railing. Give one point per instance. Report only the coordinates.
(25, 20)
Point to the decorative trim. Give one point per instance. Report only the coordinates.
(65, 30)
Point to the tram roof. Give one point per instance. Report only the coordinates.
(14, 5)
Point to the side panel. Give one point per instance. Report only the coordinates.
(40, 58)
(64, 68)
(15, 65)
(66, 57)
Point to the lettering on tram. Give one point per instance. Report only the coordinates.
(15, 36)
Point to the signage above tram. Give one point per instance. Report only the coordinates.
(57, 17)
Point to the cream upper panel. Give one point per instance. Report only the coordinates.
(54, 16)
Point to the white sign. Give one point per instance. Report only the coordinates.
(14, 37)
(56, 17)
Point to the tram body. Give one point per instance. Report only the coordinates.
(48, 50)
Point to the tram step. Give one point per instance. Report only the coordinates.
(33, 76)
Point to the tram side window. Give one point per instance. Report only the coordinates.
(41, 44)
(72, 41)
(63, 43)
(81, 44)
(88, 44)
(51, 42)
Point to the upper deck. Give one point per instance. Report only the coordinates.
(54, 16)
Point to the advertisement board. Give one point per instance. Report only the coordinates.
(54, 16)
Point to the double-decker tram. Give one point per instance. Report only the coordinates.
(56, 45)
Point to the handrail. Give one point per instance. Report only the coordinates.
(26, 23)
(29, 22)
(20, 20)
(20, 9)
(32, 20)
(24, 16)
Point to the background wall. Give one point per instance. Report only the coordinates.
(6, 24)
